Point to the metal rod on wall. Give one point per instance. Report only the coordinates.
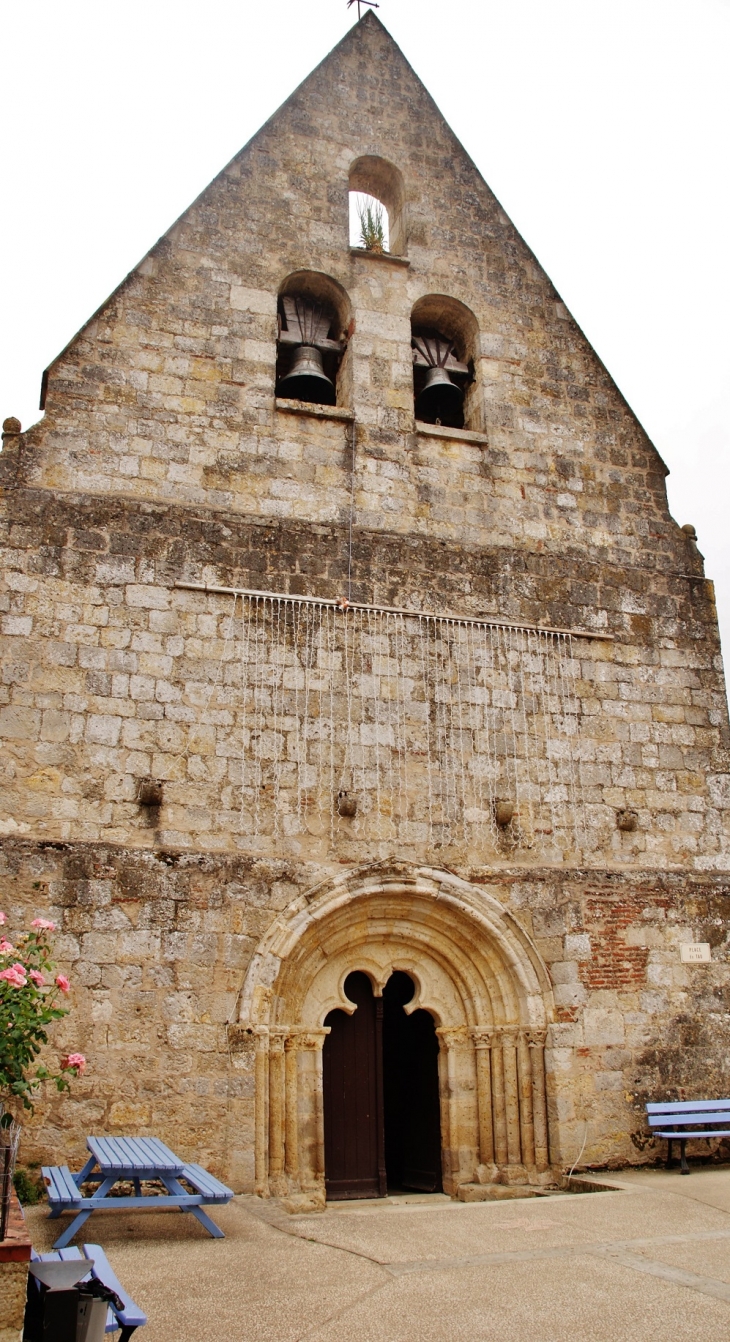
(481, 621)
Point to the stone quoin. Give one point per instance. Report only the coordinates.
(475, 731)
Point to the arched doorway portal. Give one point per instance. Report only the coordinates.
(477, 977)
(380, 1084)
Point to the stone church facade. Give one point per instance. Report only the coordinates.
(295, 689)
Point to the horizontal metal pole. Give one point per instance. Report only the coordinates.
(389, 610)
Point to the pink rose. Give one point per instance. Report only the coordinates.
(44, 924)
(74, 1060)
(62, 983)
(15, 976)
(6, 948)
(3, 918)
(37, 977)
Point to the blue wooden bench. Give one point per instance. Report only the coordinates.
(127, 1319)
(684, 1120)
(132, 1159)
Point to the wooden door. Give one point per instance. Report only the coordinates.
(353, 1096)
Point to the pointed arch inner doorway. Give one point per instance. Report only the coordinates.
(382, 1119)
(480, 992)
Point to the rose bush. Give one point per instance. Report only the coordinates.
(31, 995)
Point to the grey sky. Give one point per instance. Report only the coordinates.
(603, 126)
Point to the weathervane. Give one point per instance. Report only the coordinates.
(370, 3)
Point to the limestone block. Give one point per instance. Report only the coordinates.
(602, 1027)
(718, 786)
(578, 946)
(19, 724)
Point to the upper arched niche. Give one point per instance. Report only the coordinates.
(444, 339)
(379, 178)
(314, 315)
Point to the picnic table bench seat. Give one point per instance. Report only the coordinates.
(206, 1183)
(127, 1319)
(61, 1186)
(685, 1120)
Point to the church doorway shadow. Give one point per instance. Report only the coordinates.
(411, 1105)
(382, 1127)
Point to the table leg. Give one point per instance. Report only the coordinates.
(174, 1186)
(82, 1217)
(205, 1221)
(70, 1231)
(85, 1172)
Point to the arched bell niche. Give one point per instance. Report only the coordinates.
(383, 182)
(475, 972)
(314, 315)
(444, 342)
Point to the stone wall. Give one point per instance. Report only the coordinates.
(157, 946)
(108, 671)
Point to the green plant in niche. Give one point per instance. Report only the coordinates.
(28, 1185)
(372, 226)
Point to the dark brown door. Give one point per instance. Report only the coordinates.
(410, 1091)
(353, 1096)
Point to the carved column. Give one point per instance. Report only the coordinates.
(511, 1096)
(450, 1041)
(536, 1044)
(319, 1165)
(483, 1046)
(291, 1060)
(312, 1042)
(499, 1113)
(262, 1110)
(276, 1113)
(524, 1074)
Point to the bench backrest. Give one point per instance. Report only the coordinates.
(683, 1112)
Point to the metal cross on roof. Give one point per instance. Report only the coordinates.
(370, 3)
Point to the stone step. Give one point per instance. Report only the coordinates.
(494, 1192)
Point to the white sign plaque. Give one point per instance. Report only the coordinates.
(695, 952)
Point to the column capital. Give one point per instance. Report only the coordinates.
(313, 1039)
(482, 1035)
(453, 1035)
(536, 1038)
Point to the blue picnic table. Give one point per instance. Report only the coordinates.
(132, 1159)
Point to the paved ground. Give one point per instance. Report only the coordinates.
(649, 1261)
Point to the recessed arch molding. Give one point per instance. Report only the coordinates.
(476, 970)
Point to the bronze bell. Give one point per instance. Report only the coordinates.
(440, 399)
(307, 380)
